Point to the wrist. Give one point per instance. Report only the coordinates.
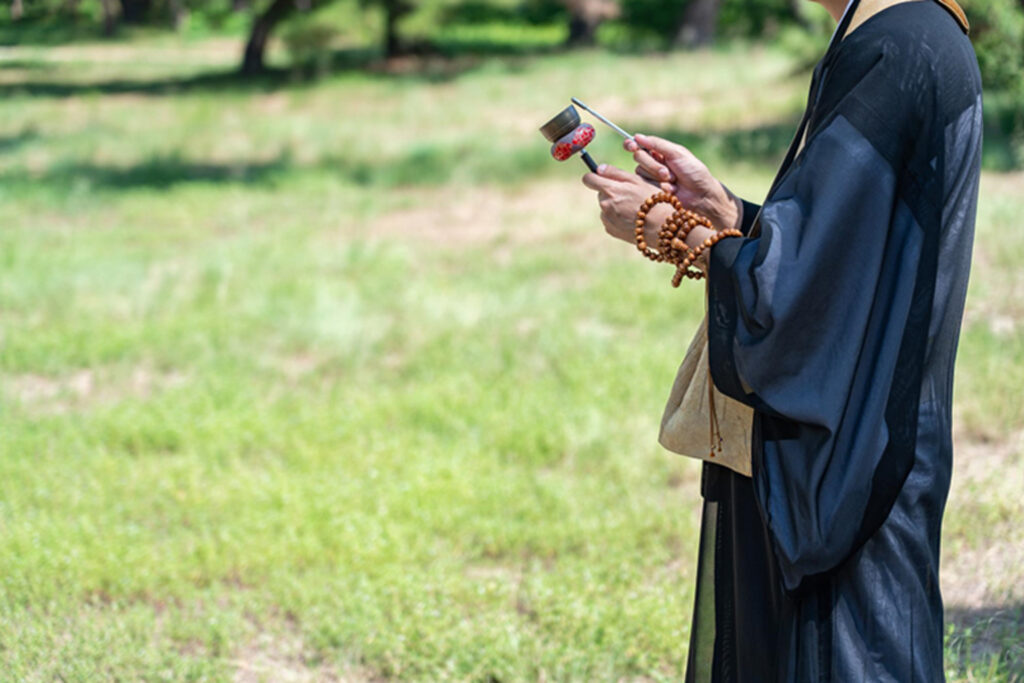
(697, 236)
(732, 212)
(656, 217)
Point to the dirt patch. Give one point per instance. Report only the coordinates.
(86, 388)
(278, 657)
(284, 657)
(560, 214)
(296, 366)
(982, 580)
(485, 573)
(975, 458)
(1009, 184)
(985, 572)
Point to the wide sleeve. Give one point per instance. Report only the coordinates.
(750, 211)
(807, 321)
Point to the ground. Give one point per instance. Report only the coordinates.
(343, 381)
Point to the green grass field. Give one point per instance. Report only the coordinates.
(343, 380)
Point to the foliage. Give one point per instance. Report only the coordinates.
(308, 42)
(757, 18)
(998, 24)
(652, 18)
(997, 30)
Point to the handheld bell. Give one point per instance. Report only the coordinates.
(569, 136)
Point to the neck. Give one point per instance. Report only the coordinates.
(834, 7)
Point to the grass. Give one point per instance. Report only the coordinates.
(343, 380)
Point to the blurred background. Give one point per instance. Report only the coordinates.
(314, 365)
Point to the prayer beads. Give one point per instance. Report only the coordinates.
(672, 237)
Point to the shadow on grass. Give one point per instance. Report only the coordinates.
(219, 81)
(987, 636)
(26, 65)
(156, 173)
(427, 67)
(425, 165)
(9, 143)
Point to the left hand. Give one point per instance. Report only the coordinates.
(620, 194)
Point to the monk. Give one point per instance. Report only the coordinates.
(835, 317)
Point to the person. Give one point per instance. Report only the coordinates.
(835, 316)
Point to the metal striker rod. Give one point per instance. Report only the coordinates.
(603, 119)
(618, 130)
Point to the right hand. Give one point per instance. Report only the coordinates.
(684, 175)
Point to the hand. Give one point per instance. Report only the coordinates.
(620, 194)
(678, 171)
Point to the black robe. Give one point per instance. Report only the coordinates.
(836, 318)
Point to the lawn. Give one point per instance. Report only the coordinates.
(342, 380)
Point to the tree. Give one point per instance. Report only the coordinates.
(394, 10)
(135, 11)
(109, 17)
(698, 24)
(584, 18)
(262, 26)
(253, 60)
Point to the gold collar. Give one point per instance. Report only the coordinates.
(869, 8)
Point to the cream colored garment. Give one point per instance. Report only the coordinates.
(701, 422)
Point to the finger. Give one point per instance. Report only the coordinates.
(655, 168)
(656, 182)
(613, 173)
(669, 150)
(595, 182)
(647, 175)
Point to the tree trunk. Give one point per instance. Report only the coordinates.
(178, 13)
(17, 10)
(394, 10)
(699, 21)
(109, 17)
(582, 30)
(585, 16)
(262, 26)
(70, 8)
(135, 11)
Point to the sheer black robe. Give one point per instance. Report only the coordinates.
(836, 318)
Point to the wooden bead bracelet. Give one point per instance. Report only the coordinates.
(672, 237)
(641, 220)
